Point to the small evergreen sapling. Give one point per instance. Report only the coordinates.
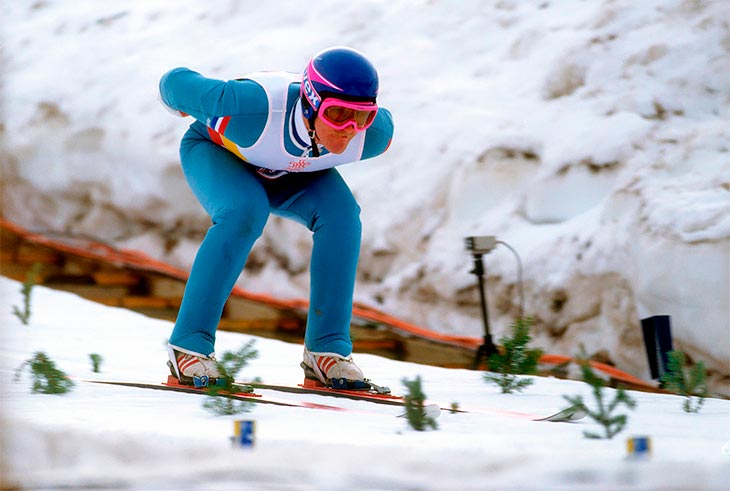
(30, 281)
(415, 408)
(514, 358)
(47, 378)
(96, 360)
(233, 362)
(690, 383)
(612, 424)
(229, 365)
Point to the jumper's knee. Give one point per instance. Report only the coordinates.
(244, 222)
(343, 218)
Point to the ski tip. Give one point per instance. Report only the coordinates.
(573, 413)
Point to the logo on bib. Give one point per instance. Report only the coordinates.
(298, 165)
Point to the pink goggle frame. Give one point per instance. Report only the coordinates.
(339, 114)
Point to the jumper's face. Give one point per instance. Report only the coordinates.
(333, 140)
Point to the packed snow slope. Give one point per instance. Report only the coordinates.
(102, 437)
(592, 137)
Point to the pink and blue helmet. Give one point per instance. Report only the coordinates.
(339, 72)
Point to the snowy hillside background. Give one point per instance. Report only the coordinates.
(591, 136)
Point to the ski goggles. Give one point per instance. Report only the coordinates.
(339, 114)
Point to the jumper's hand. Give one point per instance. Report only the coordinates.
(171, 110)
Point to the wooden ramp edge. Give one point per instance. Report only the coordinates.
(136, 281)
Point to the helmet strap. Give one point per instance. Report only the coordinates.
(313, 135)
(310, 115)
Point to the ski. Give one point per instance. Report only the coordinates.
(246, 392)
(357, 395)
(570, 414)
(242, 392)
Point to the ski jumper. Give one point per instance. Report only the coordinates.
(247, 155)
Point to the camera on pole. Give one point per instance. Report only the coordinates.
(478, 246)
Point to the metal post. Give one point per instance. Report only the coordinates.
(487, 348)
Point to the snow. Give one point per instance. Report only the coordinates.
(590, 136)
(108, 437)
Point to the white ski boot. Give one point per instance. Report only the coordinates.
(194, 369)
(333, 370)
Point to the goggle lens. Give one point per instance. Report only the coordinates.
(340, 114)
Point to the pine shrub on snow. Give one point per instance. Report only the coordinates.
(514, 359)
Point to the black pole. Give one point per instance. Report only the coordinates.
(487, 348)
